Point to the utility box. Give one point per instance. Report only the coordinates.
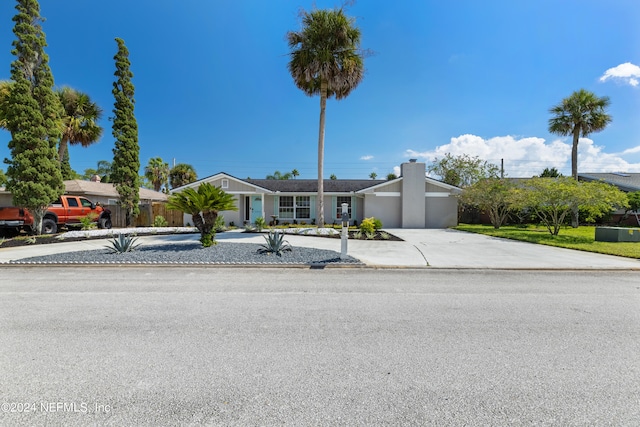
(617, 234)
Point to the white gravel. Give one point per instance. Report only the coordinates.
(138, 231)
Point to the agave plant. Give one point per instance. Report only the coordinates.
(123, 243)
(275, 243)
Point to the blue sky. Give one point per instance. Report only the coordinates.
(213, 90)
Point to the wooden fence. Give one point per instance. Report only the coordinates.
(148, 212)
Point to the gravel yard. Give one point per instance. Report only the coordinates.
(183, 252)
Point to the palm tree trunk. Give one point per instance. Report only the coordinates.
(320, 201)
(575, 217)
(62, 149)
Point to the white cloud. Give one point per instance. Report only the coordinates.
(526, 157)
(396, 170)
(626, 73)
(632, 150)
(367, 157)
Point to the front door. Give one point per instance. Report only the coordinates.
(256, 208)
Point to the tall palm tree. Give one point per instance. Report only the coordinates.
(326, 60)
(79, 121)
(182, 174)
(295, 173)
(157, 172)
(580, 114)
(373, 175)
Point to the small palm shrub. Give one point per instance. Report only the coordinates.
(219, 224)
(88, 221)
(275, 244)
(260, 224)
(160, 221)
(122, 244)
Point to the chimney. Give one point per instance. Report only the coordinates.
(413, 194)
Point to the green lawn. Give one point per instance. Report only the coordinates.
(581, 238)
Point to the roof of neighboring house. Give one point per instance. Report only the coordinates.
(105, 189)
(624, 181)
(311, 185)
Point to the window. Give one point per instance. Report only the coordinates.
(285, 210)
(339, 201)
(294, 207)
(225, 183)
(73, 202)
(86, 203)
(303, 207)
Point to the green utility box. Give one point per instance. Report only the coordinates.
(617, 234)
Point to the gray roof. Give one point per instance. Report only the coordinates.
(311, 185)
(624, 181)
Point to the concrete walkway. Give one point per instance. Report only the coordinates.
(434, 248)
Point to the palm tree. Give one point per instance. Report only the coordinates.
(295, 173)
(5, 88)
(373, 175)
(182, 174)
(326, 60)
(333, 177)
(103, 170)
(157, 172)
(203, 205)
(580, 114)
(79, 121)
(280, 175)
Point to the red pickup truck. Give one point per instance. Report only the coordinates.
(66, 211)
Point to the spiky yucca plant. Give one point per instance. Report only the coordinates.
(275, 244)
(122, 244)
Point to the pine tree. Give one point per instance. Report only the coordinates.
(32, 117)
(126, 154)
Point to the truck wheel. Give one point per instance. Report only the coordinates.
(49, 226)
(104, 223)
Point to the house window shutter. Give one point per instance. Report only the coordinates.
(353, 207)
(313, 207)
(334, 207)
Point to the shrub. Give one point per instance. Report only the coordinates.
(260, 224)
(159, 221)
(88, 221)
(123, 243)
(208, 239)
(275, 243)
(368, 226)
(219, 224)
(377, 223)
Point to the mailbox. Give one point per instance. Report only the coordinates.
(345, 213)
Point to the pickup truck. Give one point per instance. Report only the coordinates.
(66, 211)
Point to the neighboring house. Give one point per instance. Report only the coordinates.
(627, 182)
(410, 201)
(105, 193)
(98, 192)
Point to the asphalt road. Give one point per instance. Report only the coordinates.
(198, 346)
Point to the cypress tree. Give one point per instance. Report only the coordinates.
(32, 117)
(126, 154)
